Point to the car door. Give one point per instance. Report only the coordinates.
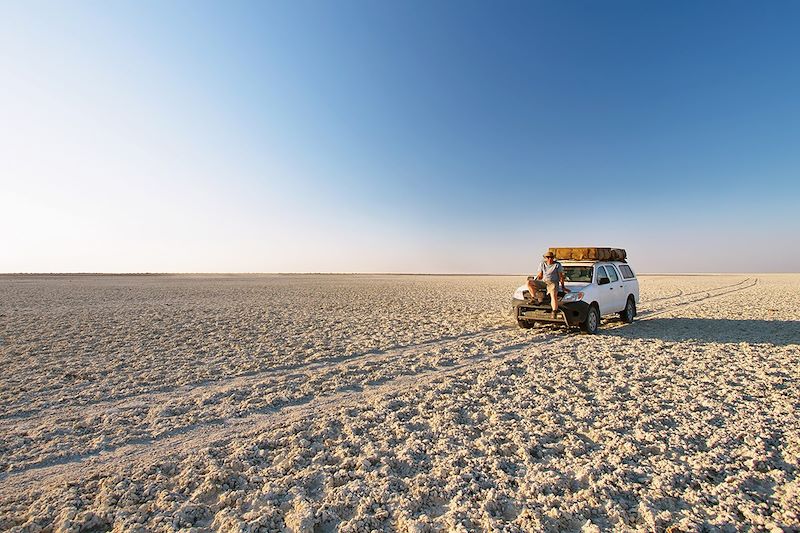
(617, 291)
(605, 295)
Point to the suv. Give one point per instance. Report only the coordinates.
(597, 288)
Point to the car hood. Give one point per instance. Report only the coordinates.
(575, 286)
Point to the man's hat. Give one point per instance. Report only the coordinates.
(550, 254)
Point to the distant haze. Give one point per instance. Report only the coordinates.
(362, 136)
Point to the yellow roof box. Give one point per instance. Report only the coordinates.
(589, 253)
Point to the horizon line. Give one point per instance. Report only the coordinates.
(242, 273)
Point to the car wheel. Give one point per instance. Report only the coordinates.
(629, 312)
(526, 324)
(592, 322)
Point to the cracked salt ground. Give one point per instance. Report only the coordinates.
(421, 420)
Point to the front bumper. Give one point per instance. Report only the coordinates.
(573, 313)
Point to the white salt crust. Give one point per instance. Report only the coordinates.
(393, 403)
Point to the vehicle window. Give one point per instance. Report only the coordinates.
(627, 273)
(601, 273)
(612, 273)
(578, 273)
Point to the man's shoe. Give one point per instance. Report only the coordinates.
(555, 314)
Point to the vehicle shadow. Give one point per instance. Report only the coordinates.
(777, 332)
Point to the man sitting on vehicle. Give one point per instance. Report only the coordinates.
(548, 277)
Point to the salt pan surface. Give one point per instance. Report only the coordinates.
(407, 403)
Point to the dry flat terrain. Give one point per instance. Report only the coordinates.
(394, 403)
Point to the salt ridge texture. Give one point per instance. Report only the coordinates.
(393, 403)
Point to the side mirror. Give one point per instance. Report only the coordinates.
(603, 281)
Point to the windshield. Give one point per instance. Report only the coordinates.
(578, 273)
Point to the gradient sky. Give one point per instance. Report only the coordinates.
(363, 136)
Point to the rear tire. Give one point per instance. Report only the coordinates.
(629, 312)
(526, 324)
(592, 322)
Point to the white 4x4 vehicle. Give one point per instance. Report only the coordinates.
(596, 289)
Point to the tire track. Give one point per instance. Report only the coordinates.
(281, 371)
(232, 427)
(225, 399)
(709, 294)
(211, 431)
(154, 394)
(681, 293)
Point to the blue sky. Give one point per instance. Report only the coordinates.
(397, 137)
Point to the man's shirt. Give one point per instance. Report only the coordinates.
(550, 273)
